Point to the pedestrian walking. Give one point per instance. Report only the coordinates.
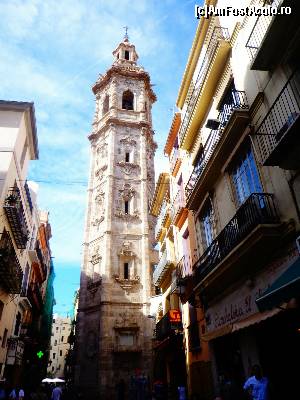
(13, 394)
(56, 393)
(257, 386)
(21, 394)
(181, 392)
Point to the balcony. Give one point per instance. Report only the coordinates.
(175, 161)
(28, 197)
(15, 214)
(166, 260)
(213, 63)
(34, 295)
(183, 270)
(277, 137)
(240, 248)
(179, 212)
(272, 32)
(11, 274)
(42, 266)
(166, 327)
(233, 118)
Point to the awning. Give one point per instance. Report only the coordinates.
(286, 287)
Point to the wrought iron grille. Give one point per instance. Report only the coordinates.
(259, 208)
(260, 28)
(15, 214)
(234, 100)
(11, 274)
(218, 34)
(283, 113)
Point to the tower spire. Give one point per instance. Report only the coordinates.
(126, 37)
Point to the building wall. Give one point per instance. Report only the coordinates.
(59, 345)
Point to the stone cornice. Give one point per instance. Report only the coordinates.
(117, 121)
(128, 72)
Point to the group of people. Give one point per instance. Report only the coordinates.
(41, 393)
(256, 387)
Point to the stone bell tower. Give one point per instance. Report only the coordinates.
(114, 333)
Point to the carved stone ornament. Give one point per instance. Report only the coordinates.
(126, 249)
(126, 320)
(127, 192)
(127, 140)
(128, 217)
(100, 172)
(127, 167)
(127, 284)
(98, 221)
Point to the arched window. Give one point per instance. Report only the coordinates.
(127, 100)
(106, 104)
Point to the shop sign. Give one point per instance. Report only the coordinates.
(240, 304)
(174, 316)
(15, 351)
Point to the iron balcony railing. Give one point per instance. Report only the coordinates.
(174, 158)
(280, 117)
(41, 259)
(165, 328)
(178, 203)
(15, 214)
(235, 100)
(183, 270)
(167, 258)
(260, 28)
(259, 208)
(28, 196)
(218, 34)
(35, 296)
(11, 274)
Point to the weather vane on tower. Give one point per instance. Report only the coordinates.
(126, 37)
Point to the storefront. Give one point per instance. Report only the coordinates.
(241, 332)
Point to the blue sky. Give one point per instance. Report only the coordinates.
(52, 53)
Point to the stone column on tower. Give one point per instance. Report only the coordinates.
(114, 333)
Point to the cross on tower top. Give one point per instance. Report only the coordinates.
(126, 37)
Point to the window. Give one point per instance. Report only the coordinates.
(106, 104)
(60, 352)
(62, 338)
(127, 100)
(126, 339)
(126, 206)
(53, 356)
(206, 225)
(53, 321)
(63, 328)
(4, 337)
(126, 270)
(126, 55)
(56, 328)
(1, 308)
(25, 280)
(245, 176)
(127, 157)
(52, 369)
(55, 342)
(17, 324)
(58, 367)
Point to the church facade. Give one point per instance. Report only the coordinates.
(114, 333)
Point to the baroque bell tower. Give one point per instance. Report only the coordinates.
(114, 333)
